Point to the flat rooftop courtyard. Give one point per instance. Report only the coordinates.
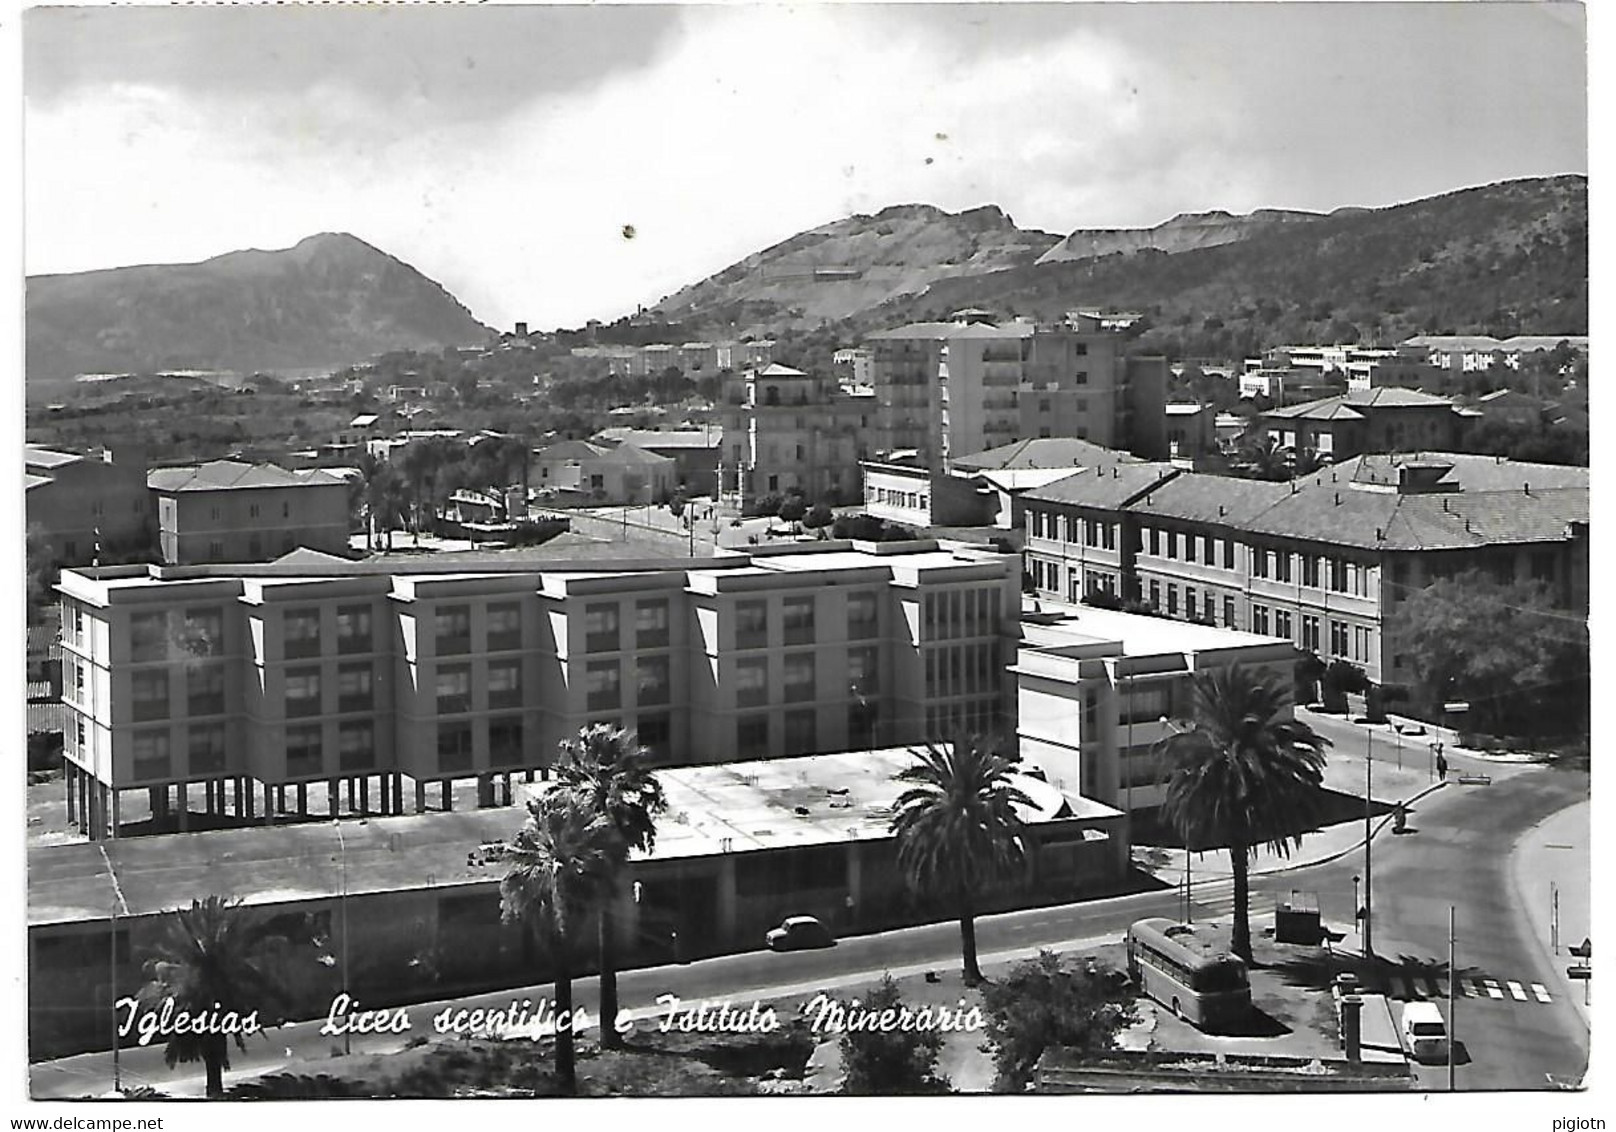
(723, 808)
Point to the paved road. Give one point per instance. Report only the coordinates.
(1458, 850)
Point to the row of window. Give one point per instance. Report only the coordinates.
(981, 717)
(967, 670)
(913, 500)
(962, 613)
(797, 620)
(1070, 528)
(798, 681)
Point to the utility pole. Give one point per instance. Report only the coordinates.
(1453, 1027)
(1369, 835)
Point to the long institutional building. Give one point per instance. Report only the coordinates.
(1323, 562)
(262, 679)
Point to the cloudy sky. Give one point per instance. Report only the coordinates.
(502, 150)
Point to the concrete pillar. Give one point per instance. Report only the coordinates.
(303, 799)
(529, 774)
(86, 801)
(1352, 1026)
(70, 778)
(507, 778)
(182, 806)
(398, 793)
(98, 812)
(448, 795)
(349, 783)
(250, 797)
(420, 796)
(269, 803)
(364, 794)
(116, 819)
(485, 791)
(331, 796)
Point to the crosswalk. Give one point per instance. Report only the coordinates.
(1421, 986)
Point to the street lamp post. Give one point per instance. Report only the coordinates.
(342, 857)
(1357, 908)
(1369, 837)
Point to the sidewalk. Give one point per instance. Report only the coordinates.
(1557, 851)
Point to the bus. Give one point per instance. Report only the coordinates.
(1184, 969)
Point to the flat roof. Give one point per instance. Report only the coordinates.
(715, 809)
(1138, 634)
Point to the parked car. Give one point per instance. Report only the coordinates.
(799, 933)
(1424, 1033)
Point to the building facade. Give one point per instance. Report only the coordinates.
(228, 511)
(946, 389)
(1376, 420)
(784, 430)
(1324, 561)
(263, 680)
(603, 473)
(90, 507)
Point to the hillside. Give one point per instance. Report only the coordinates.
(1502, 259)
(1184, 232)
(329, 301)
(840, 269)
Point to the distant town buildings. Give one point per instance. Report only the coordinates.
(89, 507)
(1375, 420)
(230, 511)
(945, 389)
(695, 359)
(603, 473)
(694, 452)
(1469, 353)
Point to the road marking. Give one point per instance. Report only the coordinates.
(1542, 992)
(1492, 988)
(1517, 992)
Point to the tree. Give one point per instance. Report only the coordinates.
(1502, 646)
(879, 1062)
(211, 958)
(606, 767)
(556, 867)
(1245, 776)
(818, 518)
(39, 558)
(1263, 458)
(793, 510)
(676, 505)
(957, 829)
(1046, 1002)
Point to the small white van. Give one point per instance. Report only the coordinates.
(1425, 1035)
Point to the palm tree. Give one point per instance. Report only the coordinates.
(557, 862)
(1245, 776)
(211, 959)
(957, 829)
(1264, 458)
(605, 767)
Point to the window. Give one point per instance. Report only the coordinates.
(752, 682)
(204, 632)
(1172, 600)
(353, 629)
(861, 616)
(799, 620)
(1310, 571)
(150, 695)
(751, 625)
(204, 690)
(801, 732)
(356, 745)
(799, 677)
(302, 633)
(1338, 638)
(252, 511)
(148, 635)
(302, 692)
(454, 689)
(603, 685)
(1209, 558)
(655, 734)
(78, 680)
(1228, 554)
(1282, 623)
(504, 626)
(216, 550)
(1155, 594)
(1338, 575)
(1310, 634)
(751, 736)
(1228, 613)
(1282, 566)
(354, 688)
(1155, 540)
(505, 684)
(651, 624)
(452, 629)
(1189, 602)
(1189, 547)
(304, 755)
(863, 671)
(1259, 619)
(505, 741)
(1259, 563)
(151, 755)
(205, 749)
(1109, 532)
(454, 747)
(1172, 544)
(652, 679)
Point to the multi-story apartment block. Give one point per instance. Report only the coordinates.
(1374, 420)
(228, 511)
(281, 675)
(785, 430)
(1324, 561)
(1469, 353)
(854, 367)
(944, 389)
(89, 506)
